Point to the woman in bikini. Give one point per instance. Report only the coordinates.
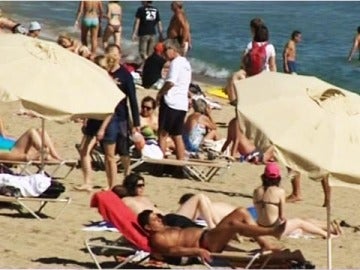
(27, 146)
(199, 126)
(91, 13)
(113, 27)
(133, 195)
(269, 200)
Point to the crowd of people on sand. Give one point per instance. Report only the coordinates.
(164, 67)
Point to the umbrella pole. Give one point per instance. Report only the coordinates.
(42, 150)
(328, 219)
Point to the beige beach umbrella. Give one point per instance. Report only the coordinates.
(53, 82)
(314, 126)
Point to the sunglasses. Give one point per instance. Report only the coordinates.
(140, 185)
(146, 107)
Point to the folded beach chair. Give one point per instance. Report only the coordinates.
(54, 169)
(113, 210)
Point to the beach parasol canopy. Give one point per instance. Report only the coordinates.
(313, 125)
(53, 82)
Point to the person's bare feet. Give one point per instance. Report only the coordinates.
(293, 198)
(337, 227)
(84, 187)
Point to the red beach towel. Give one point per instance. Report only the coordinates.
(113, 210)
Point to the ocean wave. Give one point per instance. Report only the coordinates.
(207, 69)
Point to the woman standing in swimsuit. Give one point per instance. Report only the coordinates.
(91, 12)
(269, 200)
(113, 27)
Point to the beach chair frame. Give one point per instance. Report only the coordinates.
(22, 201)
(23, 167)
(201, 170)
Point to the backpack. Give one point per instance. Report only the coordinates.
(255, 59)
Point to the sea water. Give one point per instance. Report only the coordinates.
(220, 32)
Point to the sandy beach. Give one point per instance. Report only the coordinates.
(29, 243)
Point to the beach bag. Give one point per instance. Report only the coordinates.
(255, 59)
(54, 190)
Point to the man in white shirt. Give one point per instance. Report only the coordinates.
(173, 98)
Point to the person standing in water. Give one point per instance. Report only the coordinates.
(113, 28)
(289, 54)
(91, 13)
(356, 45)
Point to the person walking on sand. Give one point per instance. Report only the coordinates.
(356, 45)
(173, 98)
(147, 18)
(114, 27)
(289, 53)
(179, 27)
(114, 131)
(255, 23)
(91, 13)
(88, 142)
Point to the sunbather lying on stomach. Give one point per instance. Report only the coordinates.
(132, 194)
(28, 146)
(176, 242)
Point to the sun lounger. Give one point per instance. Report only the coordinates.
(59, 169)
(202, 170)
(137, 249)
(42, 202)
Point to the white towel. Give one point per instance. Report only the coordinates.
(30, 185)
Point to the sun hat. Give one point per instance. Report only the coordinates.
(34, 26)
(272, 170)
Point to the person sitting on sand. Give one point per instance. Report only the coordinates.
(133, 195)
(28, 147)
(199, 126)
(241, 144)
(269, 200)
(175, 242)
